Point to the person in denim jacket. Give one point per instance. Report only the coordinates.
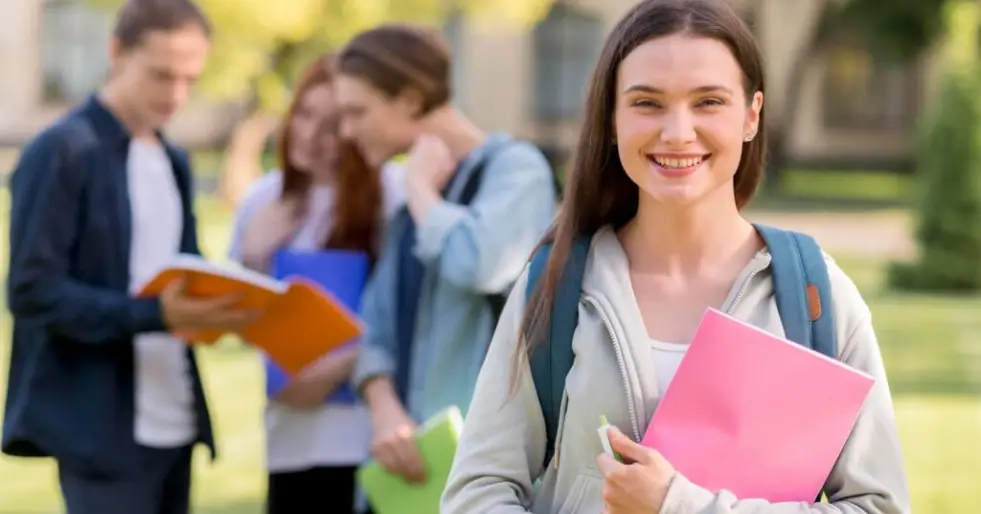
(427, 310)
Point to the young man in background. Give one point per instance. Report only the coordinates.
(101, 201)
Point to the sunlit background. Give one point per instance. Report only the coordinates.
(875, 117)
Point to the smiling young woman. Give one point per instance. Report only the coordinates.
(670, 151)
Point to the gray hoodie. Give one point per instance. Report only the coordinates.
(503, 443)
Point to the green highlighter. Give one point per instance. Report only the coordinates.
(604, 436)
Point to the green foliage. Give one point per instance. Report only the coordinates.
(894, 29)
(260, 46)
(949, 229)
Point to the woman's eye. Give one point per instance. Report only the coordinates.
(645, 103)
(710, 102)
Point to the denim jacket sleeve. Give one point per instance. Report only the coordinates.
(484, 246)
(377, 355)
(46, 189)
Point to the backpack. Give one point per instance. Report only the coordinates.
(800, 283)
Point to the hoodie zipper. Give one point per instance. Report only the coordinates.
(635, 425)
(631, 408)
(742, 288)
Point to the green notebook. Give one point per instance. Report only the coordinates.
(391, 494)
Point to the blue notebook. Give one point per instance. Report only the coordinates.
(341, 272)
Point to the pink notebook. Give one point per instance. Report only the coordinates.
(755, 414)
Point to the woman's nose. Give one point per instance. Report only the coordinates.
(677, 128)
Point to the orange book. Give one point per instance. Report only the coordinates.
(300, 321)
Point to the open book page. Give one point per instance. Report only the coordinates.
(207, 279)
(232, 270)
(298, 322)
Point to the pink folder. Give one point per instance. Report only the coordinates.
(755, 414)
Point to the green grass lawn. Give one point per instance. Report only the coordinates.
(932, 346)
(848, 184)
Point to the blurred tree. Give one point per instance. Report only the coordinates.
(898, 30)
(949, 224)
(260, 46)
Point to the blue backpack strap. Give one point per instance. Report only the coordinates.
(802, 289)
(552, 358)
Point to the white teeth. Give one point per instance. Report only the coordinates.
(678, 163)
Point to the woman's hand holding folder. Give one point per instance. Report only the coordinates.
(393, 444)
(640, 483)
(309, 388)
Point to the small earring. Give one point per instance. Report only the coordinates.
(750, 137)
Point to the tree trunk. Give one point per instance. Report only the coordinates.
(779, 133)
(780, 129)
(243, 156)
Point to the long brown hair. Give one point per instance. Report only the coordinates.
(358, 198)
(598, 191)
(397, 57)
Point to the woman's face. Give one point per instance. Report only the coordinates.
(681, 117)
(313, 132)
(380, 126)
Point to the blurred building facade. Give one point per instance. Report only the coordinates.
(54, 53)
(851, 110)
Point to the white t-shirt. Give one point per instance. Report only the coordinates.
(164, 396)
(667, 359)
(329, 435)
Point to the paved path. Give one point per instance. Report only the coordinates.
(881, 234)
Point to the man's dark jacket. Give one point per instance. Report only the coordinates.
(70, 388)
